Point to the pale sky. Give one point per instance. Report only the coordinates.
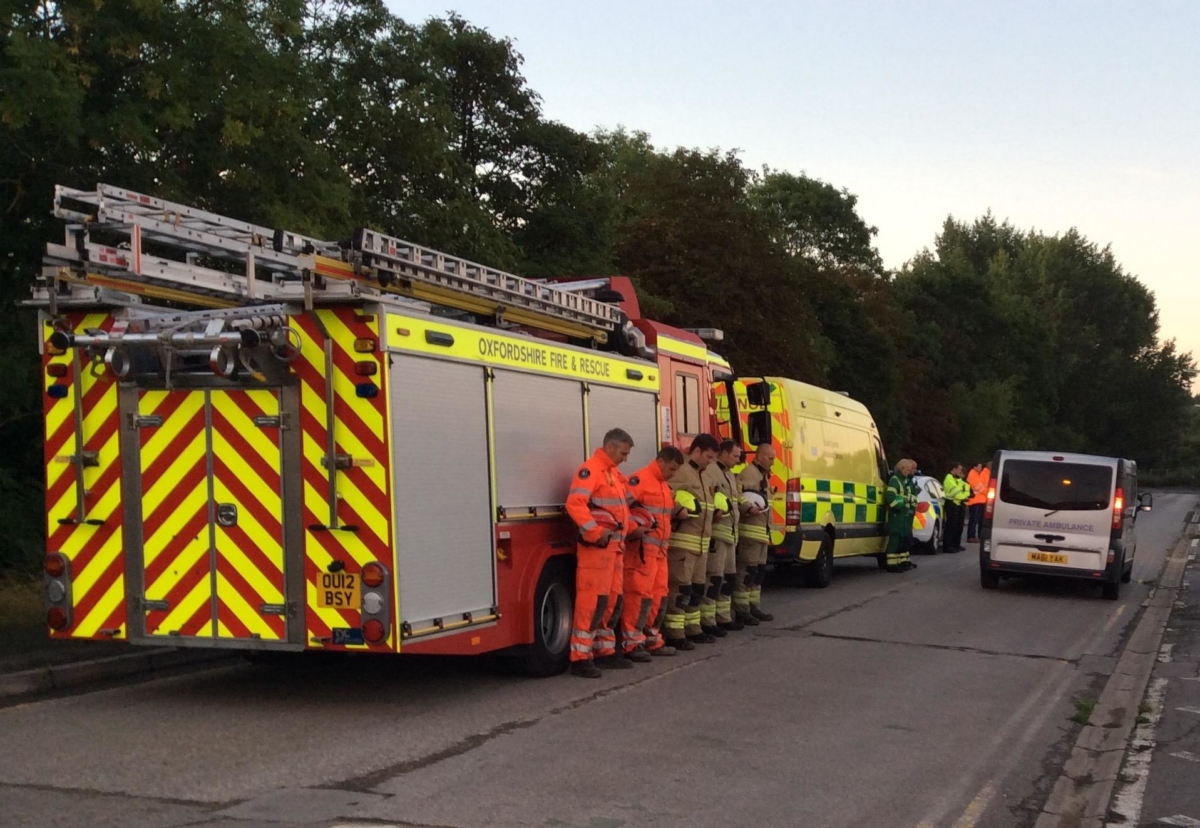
(1052, 114)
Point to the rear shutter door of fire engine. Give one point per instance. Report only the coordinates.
(444, 535)
(177, 576)
(247, 514)
(211, 514)
(634, 411)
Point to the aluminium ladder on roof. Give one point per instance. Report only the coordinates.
(373, 261)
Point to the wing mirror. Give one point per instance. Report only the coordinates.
(1145, 502)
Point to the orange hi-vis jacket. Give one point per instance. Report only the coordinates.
(599, 485)
(651, 490)
(978, 481)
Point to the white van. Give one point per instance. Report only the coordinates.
(1068, 515)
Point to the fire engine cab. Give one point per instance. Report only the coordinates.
(261, 440)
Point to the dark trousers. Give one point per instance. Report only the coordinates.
(952, 529)
(974, 521)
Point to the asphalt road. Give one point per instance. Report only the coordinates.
(885, 700)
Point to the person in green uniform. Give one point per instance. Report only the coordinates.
(901, 498)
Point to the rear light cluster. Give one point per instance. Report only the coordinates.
(989, 508)
(57, 582)
(60, 372)
(792, 512)
(1118, 514)
(376, 603)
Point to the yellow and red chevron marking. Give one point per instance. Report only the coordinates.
(175, 541)
(364, 502)
(246, 472)
(781, 439)
(95, 549)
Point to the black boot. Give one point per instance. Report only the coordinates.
(732, 626)
(760, 615)
(613, 662)
(746, 619)
(715, 632)
(639, 654)
(702, 638)
(680, 644)
(585, 669)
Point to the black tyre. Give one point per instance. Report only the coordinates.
(989, 580)
(1127, 575)
(819, 573)
(553, 607)
(1111, 592)
(881, 560)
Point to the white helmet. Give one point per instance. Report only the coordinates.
(755, 501)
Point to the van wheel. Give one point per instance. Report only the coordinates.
(988, 579)
(553, 610)
(819, 573)
(1111, 592)
(1127, 575)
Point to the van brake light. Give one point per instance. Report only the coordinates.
(990, 508)
(792, 512)
(1118, 515)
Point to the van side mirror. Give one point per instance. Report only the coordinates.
(758, 428)
(1145, 502)
(758, 394)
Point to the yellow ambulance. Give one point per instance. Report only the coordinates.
(829, 475)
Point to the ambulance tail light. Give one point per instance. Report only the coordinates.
(1118, 513)
(989, 510)
(792, 512)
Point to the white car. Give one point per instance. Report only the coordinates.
(927, 522)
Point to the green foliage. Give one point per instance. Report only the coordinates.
(324, 115)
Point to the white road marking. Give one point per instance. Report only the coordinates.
(1164, 653)
(1128, 801)
(1195, 710)
(1180, 820)
(1185, 754)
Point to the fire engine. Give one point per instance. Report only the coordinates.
(259, 440)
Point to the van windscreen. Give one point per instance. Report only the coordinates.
(1069, 487)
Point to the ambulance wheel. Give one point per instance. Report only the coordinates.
(1111, 592)
(989, 580)
(553, 608)
(819, 573)
(881, 560)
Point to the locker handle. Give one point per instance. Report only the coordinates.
(227, 514)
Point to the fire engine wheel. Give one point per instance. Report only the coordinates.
(553, 608)
(819, 573)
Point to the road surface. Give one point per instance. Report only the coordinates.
(886, 700)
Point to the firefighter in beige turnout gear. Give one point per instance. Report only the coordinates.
(754, 536)
(716, 616)
(688, 551)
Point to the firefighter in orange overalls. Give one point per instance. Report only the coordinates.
(646, 558)
(598, 503)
